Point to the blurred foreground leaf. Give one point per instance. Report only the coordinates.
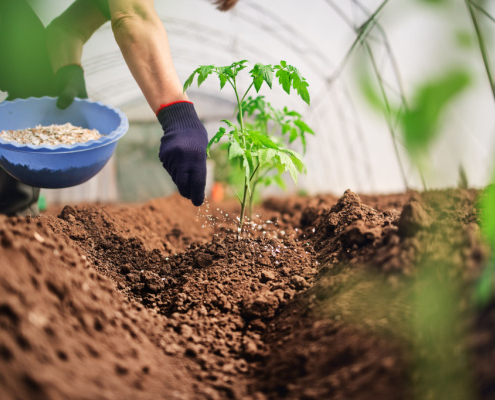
(420, 122)
(484, 290)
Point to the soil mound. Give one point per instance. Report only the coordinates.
(160, 301)
(66, 333)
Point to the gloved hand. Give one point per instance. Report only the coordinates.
(183, 149)
(69, 81)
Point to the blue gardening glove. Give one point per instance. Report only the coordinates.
(183, 149)
(69, 81)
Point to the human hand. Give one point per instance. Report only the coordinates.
(70, 84)
(183, 149)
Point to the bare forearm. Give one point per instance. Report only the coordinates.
(143, 42)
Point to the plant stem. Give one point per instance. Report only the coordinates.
(243, 208)
(246, 181)
(239, 105)
(253, 190)
(243, 202)
(248, 89)
(482, 45)
(389, 114)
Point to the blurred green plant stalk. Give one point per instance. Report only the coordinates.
(485, 289)
(441, 366)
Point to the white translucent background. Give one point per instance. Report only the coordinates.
(352, 147)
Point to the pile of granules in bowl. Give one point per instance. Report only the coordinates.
(51, 135)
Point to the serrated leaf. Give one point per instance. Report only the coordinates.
(215, 139)
(303, 92)
(287, 162)
(291, 113)
(303, 126)
(235, 150)
(204, 71)
(262, 73)
(226, 71)
(296, 81)
(258, 82)
(293, 135)
(223, 80)
(295, 74)
(237, 66)
(266, 156)
(284, 79)
(229, 123)
(190, 80)
(292, 153)
(286, 128)
(296, 159)
(263, 140)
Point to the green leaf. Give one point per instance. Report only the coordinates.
(291, 113)
(223, 80)
(302, 91)
(215, 139)
(204, 71)
(190, 80)
(303, 126)
(258, 81)
(229, 123)
(235, 150)
(266, 156)
(284, 79)
(420, 122)
(263, 140)
(226, 72)
(295, 74)
(286, 127)
(296, 81)
(293, 135)
(250, 163)
(235, 67)
(262, 73)
(287, 162)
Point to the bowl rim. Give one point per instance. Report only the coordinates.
(67, 148)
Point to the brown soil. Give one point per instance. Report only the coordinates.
(156, 301)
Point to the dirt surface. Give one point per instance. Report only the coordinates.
(160, 301)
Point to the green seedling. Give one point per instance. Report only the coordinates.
(284, 127)
(250, 145)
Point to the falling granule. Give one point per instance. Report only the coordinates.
(51, 135)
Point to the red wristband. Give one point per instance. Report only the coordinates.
(162, 106)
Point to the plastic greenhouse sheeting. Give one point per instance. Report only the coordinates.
(353, 146)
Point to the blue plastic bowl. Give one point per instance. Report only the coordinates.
(59, 166)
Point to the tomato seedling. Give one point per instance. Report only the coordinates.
(250, 145)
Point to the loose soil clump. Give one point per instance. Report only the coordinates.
(156, 301)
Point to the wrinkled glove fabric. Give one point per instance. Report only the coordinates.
(183, 149)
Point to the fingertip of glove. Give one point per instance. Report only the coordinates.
(198, 198)
(197, 202)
